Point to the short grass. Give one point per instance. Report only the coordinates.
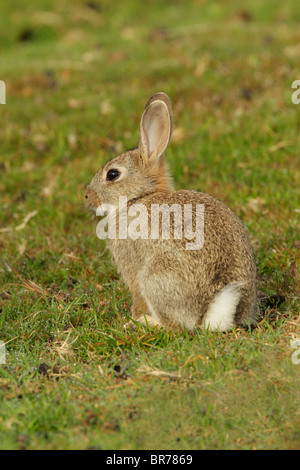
(78, 75)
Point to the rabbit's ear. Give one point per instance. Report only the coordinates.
(155, 128)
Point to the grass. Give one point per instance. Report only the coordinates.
(77, 80)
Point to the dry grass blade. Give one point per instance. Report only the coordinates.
(157, 372)
(21, 226)
(64, 348)
(9, 269)
(33, 287)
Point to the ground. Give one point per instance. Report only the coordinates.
(77, 78)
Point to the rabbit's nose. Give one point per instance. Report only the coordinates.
(86, 196)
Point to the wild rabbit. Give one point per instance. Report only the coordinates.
(211, 284)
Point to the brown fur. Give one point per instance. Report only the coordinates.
(172, 286)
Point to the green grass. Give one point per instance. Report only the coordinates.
(77, 80)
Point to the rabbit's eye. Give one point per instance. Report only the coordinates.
(112, 175)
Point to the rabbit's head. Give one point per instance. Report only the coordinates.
(140, 171)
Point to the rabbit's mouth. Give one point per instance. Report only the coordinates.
(92, 200)
(90, 208)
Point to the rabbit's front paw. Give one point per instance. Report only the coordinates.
(129, 325)
(146, 320)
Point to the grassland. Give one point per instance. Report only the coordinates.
(77, 77)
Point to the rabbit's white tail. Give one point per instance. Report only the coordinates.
(221, 311)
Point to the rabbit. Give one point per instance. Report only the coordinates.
(212, 287)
